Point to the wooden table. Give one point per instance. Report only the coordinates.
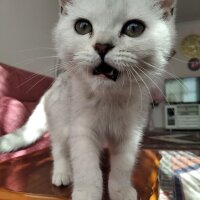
(29, 177)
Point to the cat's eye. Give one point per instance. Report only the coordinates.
(83, 27)
(133, 28)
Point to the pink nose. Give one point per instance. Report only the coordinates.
(103, 49)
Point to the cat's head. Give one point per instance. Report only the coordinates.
(112, 43)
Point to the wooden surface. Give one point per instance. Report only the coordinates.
(29, 177)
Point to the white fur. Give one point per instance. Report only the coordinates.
(29, 133)
(84, 112)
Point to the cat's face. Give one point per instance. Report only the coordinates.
(111, 42)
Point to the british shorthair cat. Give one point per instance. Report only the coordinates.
(111, 52)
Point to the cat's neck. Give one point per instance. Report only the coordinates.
(118, 95)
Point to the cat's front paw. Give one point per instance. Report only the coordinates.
(123, 193)
(59, 179)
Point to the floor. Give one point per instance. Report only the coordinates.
(172, 140)
(179, 171)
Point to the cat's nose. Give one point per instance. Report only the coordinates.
(103, 49)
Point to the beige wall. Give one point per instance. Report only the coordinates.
(26, 25)
(178, 65)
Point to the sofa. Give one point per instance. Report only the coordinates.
(20, 91)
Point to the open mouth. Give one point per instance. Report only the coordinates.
(106, 70)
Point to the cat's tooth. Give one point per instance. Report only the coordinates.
(111, 73)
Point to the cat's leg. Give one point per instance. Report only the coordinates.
(62, 174)
(122, 163)
(87, 176)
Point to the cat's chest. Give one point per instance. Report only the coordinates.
(105, 117)
(112, 119)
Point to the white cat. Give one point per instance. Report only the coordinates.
(111, 50)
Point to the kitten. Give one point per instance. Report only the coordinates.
(111, 51)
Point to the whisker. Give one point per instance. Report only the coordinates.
(148, 90)
(29, 61)
(171, 75)
(129, 54)
(160, 89)
(130, 89)
(141, 97)
(123, 81)
(36, 75)
(35, 84)
(87, 72)
(154, 83)
(177, 59)
(37, 48)
(70, 70)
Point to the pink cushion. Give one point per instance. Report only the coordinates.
(22, 85)
(30, 106)
(13, 114)
(20, 91)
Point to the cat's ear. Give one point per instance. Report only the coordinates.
(168, 7)
(62, 4)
